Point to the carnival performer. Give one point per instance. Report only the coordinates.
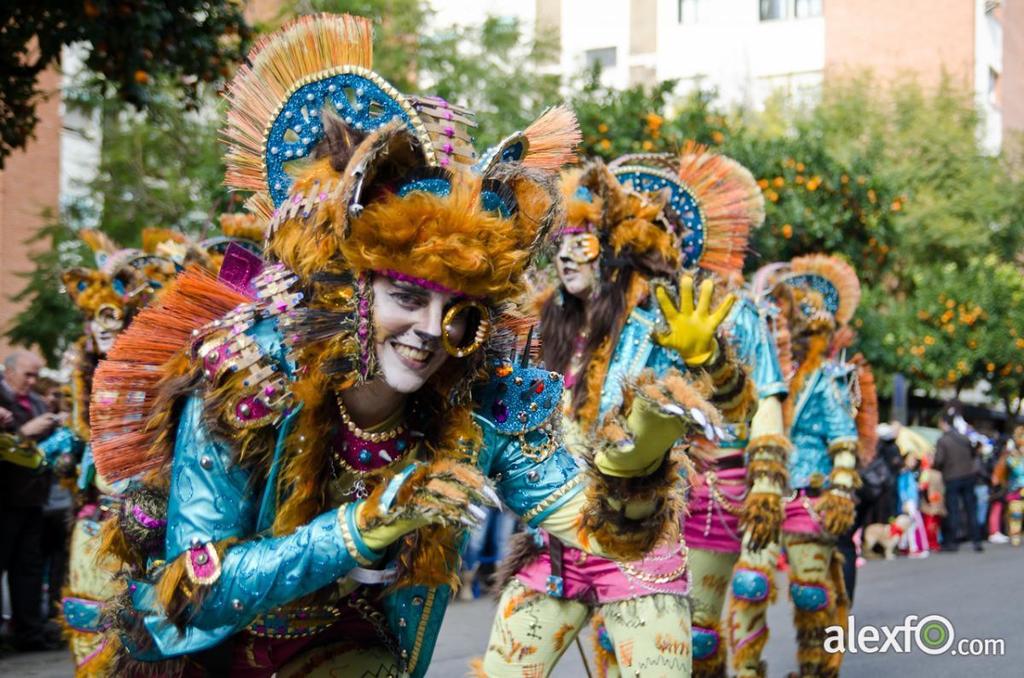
(627, 228)
(738, 491)
(107, 296)
(1010, 472)
(817, 295)
(316, 449)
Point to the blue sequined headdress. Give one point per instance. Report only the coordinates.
(319, 65)
(713, 203)
(829, 277)
(357, 179)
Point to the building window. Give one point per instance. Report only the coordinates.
(603, 57)
(687, 12)
(773, 10)
(805, 9)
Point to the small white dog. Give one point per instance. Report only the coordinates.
(885, 535)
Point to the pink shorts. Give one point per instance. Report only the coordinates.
(798, 519)
(719, 531)
(594, 580)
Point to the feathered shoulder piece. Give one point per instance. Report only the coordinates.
(154, 350)
(831, 277)
(713, 204)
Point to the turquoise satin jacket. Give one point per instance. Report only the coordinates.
(636, 351)
(1015, 467)
(754, 342)
(211, 499)
(822, 417)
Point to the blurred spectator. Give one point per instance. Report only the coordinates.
(933, 502)
(487, 546)
(52, 393)
(915, 539)
(955, 459)
(997, 495)
(57, 512)
(890, 454)
(23, 492)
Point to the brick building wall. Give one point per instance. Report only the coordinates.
(29, 184)
(890, 37)
(1012, 80)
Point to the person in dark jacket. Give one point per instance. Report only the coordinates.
(954, 458)
(23, 492)
(889, 452)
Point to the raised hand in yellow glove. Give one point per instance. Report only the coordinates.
(691, 332)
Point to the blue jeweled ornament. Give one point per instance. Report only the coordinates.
(681, 200)
(358, 100)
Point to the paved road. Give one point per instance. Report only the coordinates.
(981, 594)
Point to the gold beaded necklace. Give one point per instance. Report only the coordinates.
(376, 437)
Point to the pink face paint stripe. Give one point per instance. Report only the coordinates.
(574, 230)
(425, 284)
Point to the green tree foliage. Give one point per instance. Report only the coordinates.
(161, 168)
(893, 179)
(130, 44)
(963, 324)
(49, 320)
(496, 69)
(818, 197)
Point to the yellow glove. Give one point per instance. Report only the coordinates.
(691, 333)
(382, 536)
(441, 493)
(654, 431)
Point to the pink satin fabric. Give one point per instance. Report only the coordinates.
(723, 533)
(595, 580)
(798, 520)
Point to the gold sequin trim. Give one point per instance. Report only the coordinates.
(552, 498)
(421, 630)
(350, 542)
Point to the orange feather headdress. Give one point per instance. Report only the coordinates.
(358, 179)
(831, 278)
(713, 203)
(374, 179)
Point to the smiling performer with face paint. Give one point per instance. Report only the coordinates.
(603, 328)
(735, 500)
(318, 447)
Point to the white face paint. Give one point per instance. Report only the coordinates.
(408, 332)
(104, 328)
(578, 277)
